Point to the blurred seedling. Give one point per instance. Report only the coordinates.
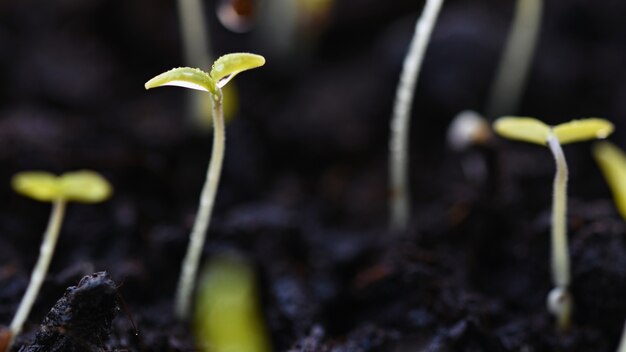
(79, 186)
(227, 315)
(622, 344)
(510, 79)
(612, 162)
(531, 130)
(468, 128)
(223, 70)
(399, 192)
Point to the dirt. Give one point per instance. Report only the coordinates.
(303, 193)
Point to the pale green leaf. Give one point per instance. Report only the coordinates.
(612, 162)
(229, 65)
(85, 186)
(185, 77)
(582, 130)
(39, 185)
(525, 129)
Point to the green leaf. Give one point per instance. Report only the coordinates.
(39, 185)
(185, 77)
(85, 186)
(582, 130)
(229, 65)
(525, 129)
(80, 186)
(612, 162)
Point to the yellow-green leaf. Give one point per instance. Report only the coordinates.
(185, 77)
(85, 186)
(612, 162)
(39, 185)
(525, 129)
(582, 130)
(229, 65)
(80, 186)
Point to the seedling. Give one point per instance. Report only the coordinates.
(510, 79)
(223, 70)
(612, 162)
(400, 207)
(468, 128)
(622, 344)
(80, 186)
(227, 316)
(534, 131)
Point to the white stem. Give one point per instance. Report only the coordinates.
(622, 344)
(203, 218)
(513, 68)
(560, 256)
(196, 46)
(194, 33)
(46, 251)
(400, 121)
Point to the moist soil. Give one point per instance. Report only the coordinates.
(303, 195)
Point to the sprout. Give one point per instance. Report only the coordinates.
(224, 69)
(227, 317)
(534, 131)
(612, 162)
(80, 186)
(400, 207)
(468, 128)
(622, 344)
(513, 67)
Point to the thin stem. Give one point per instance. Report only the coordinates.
(46, 251)
(513, 68)
(560, 258)
(196, 45)
(400, 207)
(622, 344)
(203, 218)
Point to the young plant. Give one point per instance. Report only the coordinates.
(399, 202)
(510, 79)
(223, 70)
(531, 130)
(612, 162)
(80, 186)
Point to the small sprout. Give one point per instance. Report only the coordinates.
(227, 316)
(80, 186)
(534, 131)
(399, 202)
(224, 69)
(612, 162)
(510, 80)
(468, 128)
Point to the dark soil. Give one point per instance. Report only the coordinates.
(303, 192)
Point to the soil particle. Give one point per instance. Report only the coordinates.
(81, 319)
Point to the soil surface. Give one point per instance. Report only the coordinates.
(303, 195)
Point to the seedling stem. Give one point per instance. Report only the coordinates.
(400, 206)
(207, 198)
(46, 252)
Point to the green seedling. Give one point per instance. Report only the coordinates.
(399, 202)
(80, 186)
(227, 315)
(612, 162)
(223, 70)
(531, 130)
(510, 78)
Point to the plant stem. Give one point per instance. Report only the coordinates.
(400, 207)
(560, 257)
(46, 251)
(622, 344)
(513, 68)
(207, 198)
(196, 45)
